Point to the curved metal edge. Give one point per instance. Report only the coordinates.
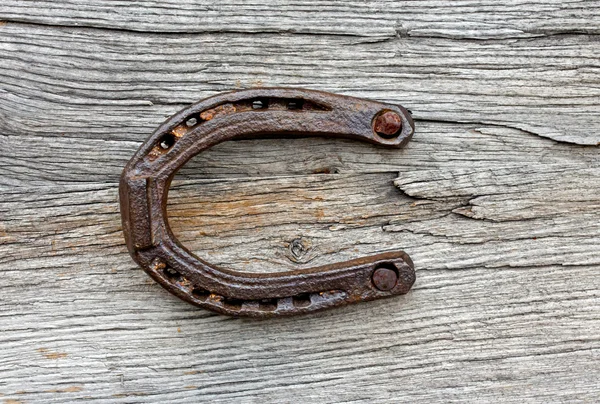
(144, 187)
(300, 303)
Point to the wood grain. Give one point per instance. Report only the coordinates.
(481, 19)
(126, 81)
(497, 199)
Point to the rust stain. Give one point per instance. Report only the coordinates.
(9, 400)
(5, 238)
(179, 131)
(194, 216)
(194, 372)
(223, 109)
(186, 283)
(73, 389)
(178, 329)
(324, 170)
(191, 387)
(154, 154)
(51, 355)
(133, 393)
(244, 207)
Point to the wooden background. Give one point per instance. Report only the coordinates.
(496, 198)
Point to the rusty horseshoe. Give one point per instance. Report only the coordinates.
(282, 112)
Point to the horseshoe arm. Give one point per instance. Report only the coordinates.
(246, 114)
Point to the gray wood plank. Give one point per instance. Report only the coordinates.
(119, 85)
(481, 19)
(500, 305)
(496, 198)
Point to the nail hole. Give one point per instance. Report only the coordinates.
(260, 104)
(302, 300)
(167, 141)
(172, 274)
(295, 104)
(191, 122)
(234, 304)
(200, 294)
(268, 304)
(387, 265)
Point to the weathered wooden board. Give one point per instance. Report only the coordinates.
(481, 19)
(497, 199)
(126, 82)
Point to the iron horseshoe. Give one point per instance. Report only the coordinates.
(264, 112)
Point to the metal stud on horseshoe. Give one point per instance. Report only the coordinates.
(243, 114)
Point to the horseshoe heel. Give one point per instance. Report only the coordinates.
(283, 112)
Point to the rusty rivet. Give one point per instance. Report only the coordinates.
(388, 124)
(385, 278)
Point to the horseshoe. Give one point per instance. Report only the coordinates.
(145, 182)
